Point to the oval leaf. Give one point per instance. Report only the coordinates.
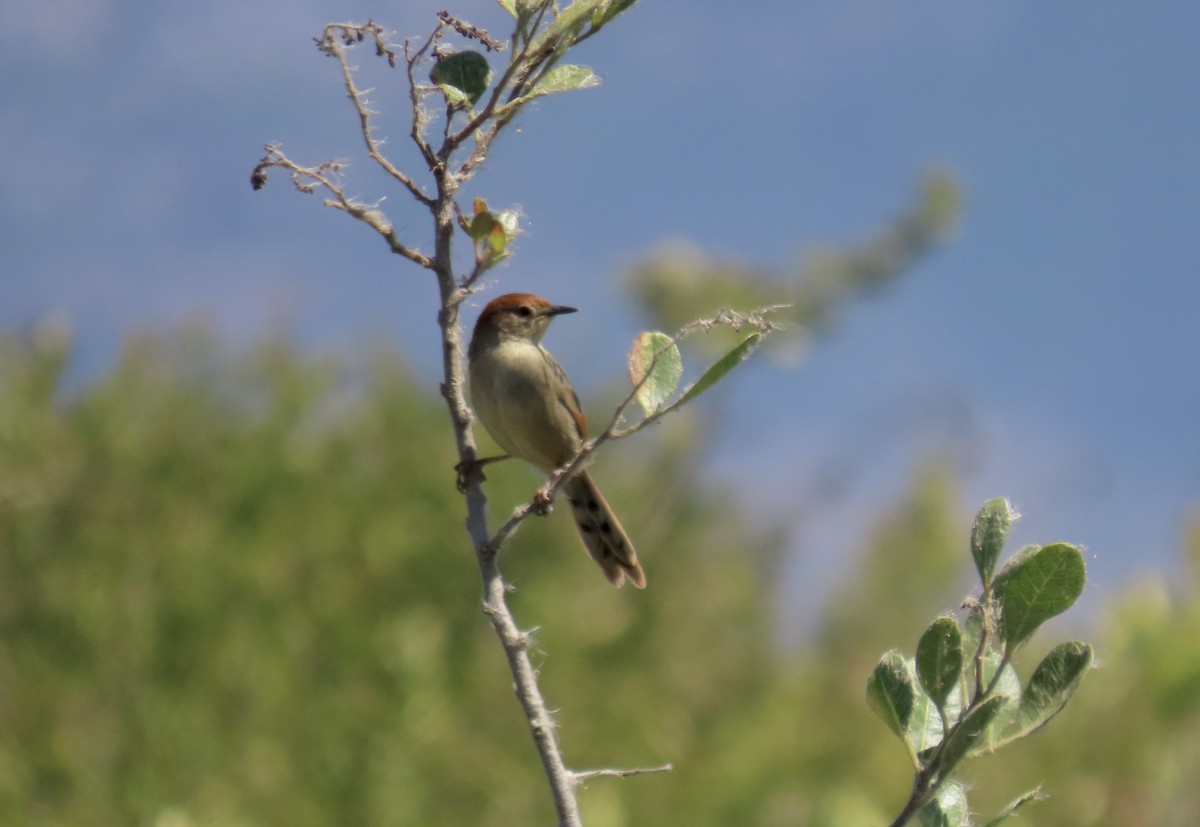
(462, 76)
(1053, 683)
(967, 733)
(890, 692)
(947, 809)
(1043, 584)
(1006, 687)
(940, 658)
(561, 79)
(924, 729)
(565, 79)
(655, 367)
(1013, 563)
(481, 226)
(988, 535)
(721, 367)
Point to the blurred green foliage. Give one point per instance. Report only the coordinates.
(235, 590)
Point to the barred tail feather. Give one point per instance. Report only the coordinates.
(603, 536)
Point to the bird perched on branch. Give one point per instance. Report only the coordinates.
(525, 401)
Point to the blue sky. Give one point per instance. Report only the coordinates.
(1048, 349)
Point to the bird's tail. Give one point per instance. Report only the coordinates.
(603, 536)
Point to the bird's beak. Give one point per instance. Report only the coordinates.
(558, 310)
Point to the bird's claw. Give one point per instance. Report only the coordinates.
(468, 470)
(471, 470)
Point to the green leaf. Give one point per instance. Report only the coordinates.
(567, 26)
(462, 76)
(1053, 683)
(561, 79)
(509, 6)
(608, 11)
(497, 240)
(967, 733)
(506, 229)
(1013, 563)
(924, 729)
(721, 367)
(454, 95)
(891, 692)
(988, 535)
(940, 658)
(481, 226)
(525, 10)
(947, 809)
(1016, 804)
(1041, 585)
(496, 230)
(972, 629)
(656, 366)
(1008, 689)
(565, 79)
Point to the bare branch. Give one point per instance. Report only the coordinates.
(470, 32)
(415, 92)
(336, 37)
(324, 176)
(529, 695)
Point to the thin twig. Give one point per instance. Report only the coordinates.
(415, 91)
(333, 45)
(322, 176)
(580, 776)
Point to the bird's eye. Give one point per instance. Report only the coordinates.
(524, 311)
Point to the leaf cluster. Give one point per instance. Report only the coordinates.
(960, 695)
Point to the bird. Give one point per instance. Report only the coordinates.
(523, 398)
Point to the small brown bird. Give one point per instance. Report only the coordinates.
(525, 400)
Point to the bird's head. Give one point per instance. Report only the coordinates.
(518, 316)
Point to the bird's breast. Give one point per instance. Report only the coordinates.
(514, 389)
